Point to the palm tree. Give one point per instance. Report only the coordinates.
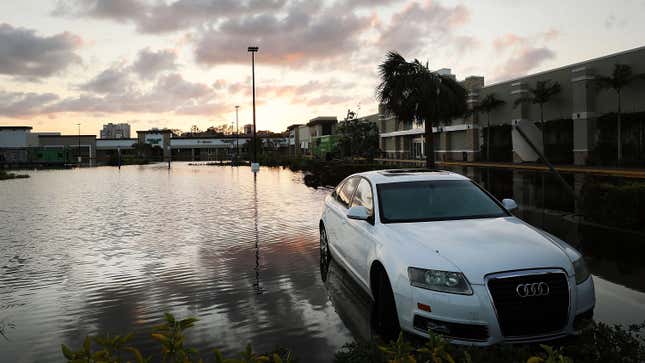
(410, 91)
(487, 105)
(620, 78)
(540, 95)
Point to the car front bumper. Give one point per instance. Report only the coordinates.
(472, 319)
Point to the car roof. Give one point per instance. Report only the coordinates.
(406, 175)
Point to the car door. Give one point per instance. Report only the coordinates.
(338, 219)
(359, 233)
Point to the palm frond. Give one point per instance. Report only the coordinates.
(521, 100)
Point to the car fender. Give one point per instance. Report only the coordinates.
(396, 254)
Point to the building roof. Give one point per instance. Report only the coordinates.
(572, 65)
(293, 126)
(75, 136)
(210, 137)
(118, 138)
(165, 131)
(320, 120)
(15, 127)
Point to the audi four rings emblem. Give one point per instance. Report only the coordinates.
(532, 289)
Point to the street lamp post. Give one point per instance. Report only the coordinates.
(255, 167)
(237, 132)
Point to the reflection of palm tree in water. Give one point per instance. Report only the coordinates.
(256, 284)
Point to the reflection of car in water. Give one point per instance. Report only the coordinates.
(352, 304)
(436, 252)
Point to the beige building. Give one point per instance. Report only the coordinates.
(579, 122)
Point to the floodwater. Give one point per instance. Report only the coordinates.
(94, 250)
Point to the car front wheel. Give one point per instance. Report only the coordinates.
(325, 254)
(385, 317)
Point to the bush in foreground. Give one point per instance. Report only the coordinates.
(597, 343)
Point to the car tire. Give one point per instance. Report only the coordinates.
(385, 317)
(325, 254)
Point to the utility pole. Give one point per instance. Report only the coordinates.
(255, 167)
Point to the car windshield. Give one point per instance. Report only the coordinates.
(435, 200)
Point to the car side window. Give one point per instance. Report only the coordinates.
(347, 191)
(335, 194)
(363, 196)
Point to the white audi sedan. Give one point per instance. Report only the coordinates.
(436, 252)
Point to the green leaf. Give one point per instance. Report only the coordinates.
(160, 337)
(137, 354)
(187, 323)
(67, 352)
(86, 344)
(276, 358)
(169, 318)
(218, 356)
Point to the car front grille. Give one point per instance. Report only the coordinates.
(530, 315)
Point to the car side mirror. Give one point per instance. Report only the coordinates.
(509, 204)
(358, 212)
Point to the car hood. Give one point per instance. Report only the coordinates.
(479, 247)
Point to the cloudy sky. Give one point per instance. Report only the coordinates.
(177, 63)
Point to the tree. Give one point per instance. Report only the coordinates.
(621, 77)
(487, 105)
(540, 95)
(357, 138)
(543, 92)
(410, 91)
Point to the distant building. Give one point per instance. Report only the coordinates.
(294, 140)
(322, 125)
(248, 129)
(18, 145)
(322, 130)
(14, 141)
(55, 148)
(157, 139)
(115, 131)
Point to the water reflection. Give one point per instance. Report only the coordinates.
(351, 302)
(89, 250)
(92, 250)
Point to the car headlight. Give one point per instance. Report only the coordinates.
(444, 281)
(581, 270)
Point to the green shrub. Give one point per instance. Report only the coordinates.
(170, 336)
(597, 343)
(615, 205)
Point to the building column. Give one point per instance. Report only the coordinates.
(472, 121)
(519, 113)
(192, 154)
(584, 116)
(472, 142)
(444, 144)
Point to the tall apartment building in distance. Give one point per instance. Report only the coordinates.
(115, 131)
